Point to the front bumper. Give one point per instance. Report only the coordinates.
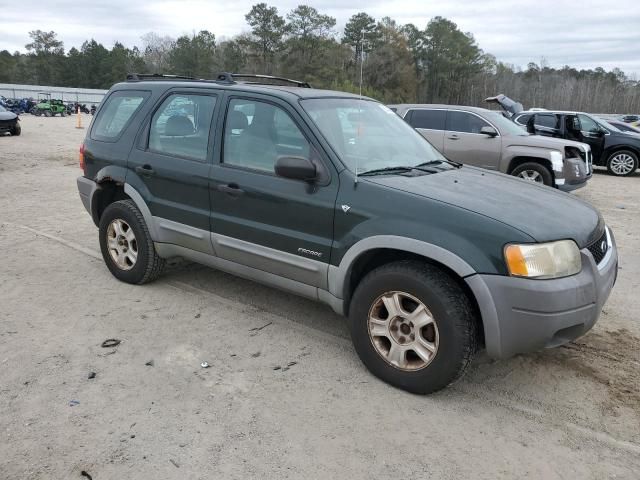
(523, 315)
(576, 173)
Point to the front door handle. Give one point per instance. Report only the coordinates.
(231, 189)
(145, 170)
(453, 137)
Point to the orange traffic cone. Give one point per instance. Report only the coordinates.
(79, 119)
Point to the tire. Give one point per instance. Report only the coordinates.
(622, 163)
(534, 172)
(453, 334)
(147, 265)
(48, 113)
(17, 130)
(63, 114)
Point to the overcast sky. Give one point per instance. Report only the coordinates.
(580, 33)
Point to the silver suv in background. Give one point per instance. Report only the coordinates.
(486, 139)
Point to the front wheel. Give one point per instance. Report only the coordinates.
(126, 245)
(413, 326)
(48, 113)
(17, 130)
(622, 163)
(534, 172)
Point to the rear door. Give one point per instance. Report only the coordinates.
(430, 123)
(270, 223)
(170, 166)
(464, 143)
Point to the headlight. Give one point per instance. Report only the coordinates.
(543, 260)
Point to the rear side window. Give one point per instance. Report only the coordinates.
(464, 122)
(430, 119)
(116, 113)
(180, 127)
(546, 120)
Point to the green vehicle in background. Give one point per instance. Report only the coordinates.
(49, 107)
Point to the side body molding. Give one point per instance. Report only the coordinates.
(339, 276)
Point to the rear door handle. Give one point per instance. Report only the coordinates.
(231, 189)
(145, 170)
(453, 137)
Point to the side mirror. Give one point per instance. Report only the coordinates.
(296, 168)
(490, 131)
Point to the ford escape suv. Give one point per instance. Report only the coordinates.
(486, 139)
(335, 198)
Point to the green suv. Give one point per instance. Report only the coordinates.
(334, 197)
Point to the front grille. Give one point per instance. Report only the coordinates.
(599, 248)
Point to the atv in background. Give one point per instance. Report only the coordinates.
(49, 107)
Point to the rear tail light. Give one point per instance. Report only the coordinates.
(82, 165)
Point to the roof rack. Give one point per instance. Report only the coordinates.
(223, 78)
(258, 79)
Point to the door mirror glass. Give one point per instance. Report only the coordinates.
(490, 131)
(296, 168)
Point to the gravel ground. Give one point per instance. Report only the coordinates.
(152, 412)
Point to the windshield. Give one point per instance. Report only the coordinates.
(368, 136)
(504, 125)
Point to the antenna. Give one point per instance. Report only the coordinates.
(360, 98)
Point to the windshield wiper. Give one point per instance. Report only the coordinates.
(379, 171)
(433, 162)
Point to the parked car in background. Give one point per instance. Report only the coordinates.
(486, 139)
(631, 118)
(9, 122)
(612, 148)
(624, 127)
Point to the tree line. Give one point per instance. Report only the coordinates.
(400, 63)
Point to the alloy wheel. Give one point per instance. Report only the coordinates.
(622, 164)
(122, 244)
(403, 331)
(531, 175)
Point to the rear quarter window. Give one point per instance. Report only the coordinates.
(116, 113)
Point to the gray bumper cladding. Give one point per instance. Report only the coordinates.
(523, 315)
(86, 188)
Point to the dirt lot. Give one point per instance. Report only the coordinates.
(572, 412)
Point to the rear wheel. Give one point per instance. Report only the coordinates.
(413, 326)
(534, 172)
(622, 163)
(126, 245)
(48, 113)
(63, 113)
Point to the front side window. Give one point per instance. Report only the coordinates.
(464, 122)
(180, 127)
(257, 133)
(367, 136)
(429, 119)
(588, 125)
(114, 116)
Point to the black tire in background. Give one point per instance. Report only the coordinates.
(545, 175)
(618, 170)
(452, 311)
(148, 265)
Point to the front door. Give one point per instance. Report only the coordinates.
(591, 133)
(170, 168)
(464, 143)
(258, 219)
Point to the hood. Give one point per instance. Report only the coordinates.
(543, 213)
(541, 141)
(8, 116)
(508, 105)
